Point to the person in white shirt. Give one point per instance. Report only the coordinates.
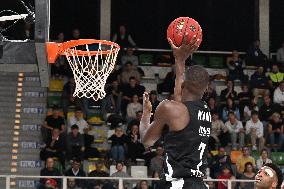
(133, 107)
(236, 130)
(77, 119)
(280, 54)
(263, 159)
(278, 96)
(129, 57)
(254, 131)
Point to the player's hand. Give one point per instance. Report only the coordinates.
(147, 106)
(185, 50)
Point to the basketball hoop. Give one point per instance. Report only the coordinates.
(91, 62)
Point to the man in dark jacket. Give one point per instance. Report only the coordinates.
(76, 171)
(49, 170)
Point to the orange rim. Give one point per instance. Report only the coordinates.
(54, 50)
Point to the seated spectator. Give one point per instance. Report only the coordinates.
(236, 67)
(280, 55)
(230, 107)
(76, 171)
(229, 92)
(168, 83)
(225, 174)
(156, 164)
(157, 184)
(219, 161)
(71, 184)
(255, 56)
(129, 71)
(248, 174)
(129, 57)
(278, 96)
(54, 121)
(209, 93)
(252, 106)
(76, 34)
(75, 144)
(90, 152)
(58, 68)
(118, 145)
(54, 147)
(275, 131)
(212, 105)
(77, 119)
(123, 38)
(236, 130)
(134, 146)
(244, 98)
(154, 100)
(133, 107)
(219, 132)
(98, 172)
(112, 102)
(275, 77)
(114, 76)
(135, 121)
(254, 131)
(49, 170)
(263, 159)
(120, 173)
(267, 109)
(50, 184)
(259, 83)
(243, 159)
(143, 184)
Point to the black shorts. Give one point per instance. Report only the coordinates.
(187, 183)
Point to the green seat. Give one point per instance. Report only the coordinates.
(277, 158)
(54, 100)
(146, 59)
(216, 62)
(200, 60)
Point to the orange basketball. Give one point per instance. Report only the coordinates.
(182, 25)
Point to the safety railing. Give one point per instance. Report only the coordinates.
(121, 180)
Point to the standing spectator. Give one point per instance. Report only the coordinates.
(229, 92)
(255, 56)
(168, 82)
(98, 172)
(263, 159)
(130, 57)
(77, 119)
(76, 34)
(230, 107)
(244, 98)
(248, 174)
(133, 107)
(154, 100)
(129, 71)
(54, 121)
(243, 159)
(49, 170)
(54, 147)
(118, 145)
(225, 174)
(252, 106)
(135, 147)
(120, 173)
(157, 161)
(123, 38)
(219, 161)
(75, 143)
(76, 171)
(275, 77)
(254, 131)
(219, 132)
(236, 130)
(259, 83)
(278, 96)
(275, 131)
(236, 67)
(71, 184)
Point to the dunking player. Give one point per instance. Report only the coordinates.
(189, 122)
(269, 177)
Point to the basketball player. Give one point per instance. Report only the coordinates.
(269, 177)
(189, 122)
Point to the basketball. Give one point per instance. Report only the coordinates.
(182, 25)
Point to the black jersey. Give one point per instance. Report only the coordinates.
(186, 150)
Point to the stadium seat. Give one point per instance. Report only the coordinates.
(54, 100)
(146, 59)
(214, 152)
(278, 158)
(200, 60)
(216, 62)
(234, 155)
(139, 171)
(56, 85)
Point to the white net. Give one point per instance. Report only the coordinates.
(92, 70)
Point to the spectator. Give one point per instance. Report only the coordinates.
(219, 161)
(255, 56)
(58, 69)
(243, 159)
(130, 57)
(157, 161)
(60, 37)
(275, 77)
(248, 174)
(76, 171)
(98, 172)
(263, 159)
(154, 100)
(157, 184)
(71, 184)
(267, 109)
(212, 105)
(229, 92)
(278, 96)
(50, 184)
(236, 130)
(114, 75)
(118, 144)
(135, 121)
(230, 107)
(90, 152)
(168, 83)
(254, 131)
(54, 147)
(236, 67)
(76, 34)
(133, 107)
(252, 106)
(259, 83)
(209, 93)
(275, 131)
(244, 98)
(219, 132)
(75, 144)
(135, 147)
(225, 174)
(123, 38)
(143, 184)
(49, 170)
(129, 71)
(77, 119)
(120, 173)
(54, 121)
(112, 102)
(28, 31)
(280, 55)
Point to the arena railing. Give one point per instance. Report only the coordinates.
(120, 180)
